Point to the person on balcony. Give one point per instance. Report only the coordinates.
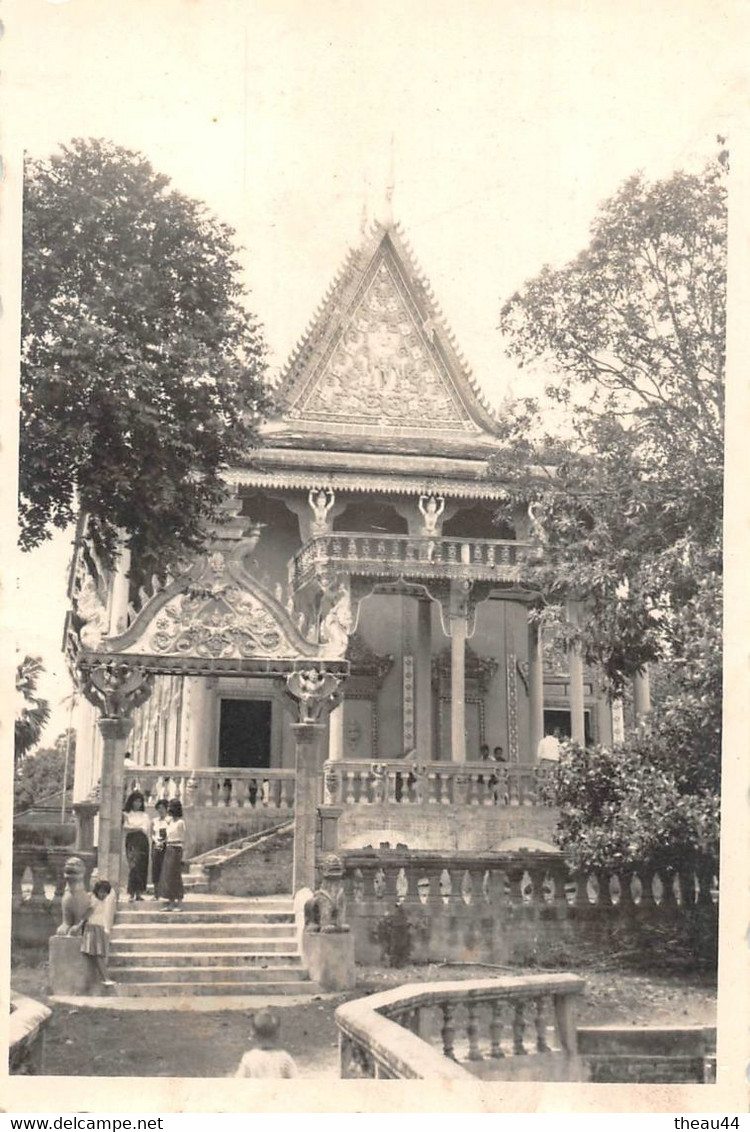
(170, 881)
(137, 828)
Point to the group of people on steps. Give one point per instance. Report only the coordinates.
(161, 841)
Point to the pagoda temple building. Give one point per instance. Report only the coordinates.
(358, 628)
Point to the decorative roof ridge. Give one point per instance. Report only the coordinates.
(448, 338)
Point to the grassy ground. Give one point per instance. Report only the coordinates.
(209, 1044)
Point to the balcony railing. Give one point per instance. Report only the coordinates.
(394, 556)
(441, 1030)
(256, 788)
(353, 783)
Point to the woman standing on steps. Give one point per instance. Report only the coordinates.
(137, 828)
(170, 881)
(158, 843)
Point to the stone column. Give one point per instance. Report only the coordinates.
(458, 688)
(536, 690)
(641, 695)
(424, 680)
(575, 677)
(336, 734)
(114, 732)
(308, 790)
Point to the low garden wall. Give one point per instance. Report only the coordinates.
(512, 908)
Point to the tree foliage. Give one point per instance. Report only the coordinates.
(141, 366)
(32, 711)
(629, 501)
(40, 776)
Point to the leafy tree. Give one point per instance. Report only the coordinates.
(629, 501)
(32, 711)
(141, 366)
(40, 775)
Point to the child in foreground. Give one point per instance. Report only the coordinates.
(266, 1059)
(95, 930)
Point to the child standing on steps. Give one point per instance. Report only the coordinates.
(95, 930)
(266, 1059)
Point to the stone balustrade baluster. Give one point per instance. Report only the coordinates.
(496, 1028)
(513, 792)
(240, 792)
(519, 1026)
(472, 1031)
(18, 868)
(349, 787)
(540, 1025)
(448, 1031)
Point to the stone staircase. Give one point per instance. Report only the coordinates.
(201, 868)
(218, 945)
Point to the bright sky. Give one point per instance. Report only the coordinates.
(511, 121)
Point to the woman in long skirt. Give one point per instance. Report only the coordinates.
(137, 830)
(170, 881)
(158, 843)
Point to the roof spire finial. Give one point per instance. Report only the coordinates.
(389, 189)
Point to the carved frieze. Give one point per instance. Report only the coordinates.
(381, 369)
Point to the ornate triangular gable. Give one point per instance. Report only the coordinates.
(378, 354)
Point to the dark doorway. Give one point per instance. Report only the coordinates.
(245, 733)
(559, 720)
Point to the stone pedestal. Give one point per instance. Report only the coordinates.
(329, 821)
(329, 958)
(71, 972)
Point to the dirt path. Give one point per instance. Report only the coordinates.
(163, 1043)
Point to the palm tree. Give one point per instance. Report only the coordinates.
(32, 711)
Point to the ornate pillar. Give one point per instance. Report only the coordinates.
(459, 625)
(315, 693)
(641, 695)
(336, 734)
(536, 690)
(116, 689)
(114, 737)
(575, 677)
(424, 680)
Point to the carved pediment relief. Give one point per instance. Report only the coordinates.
(218, 611)
(381, 367)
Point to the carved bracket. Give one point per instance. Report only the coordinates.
(116, 689)
(315, 690)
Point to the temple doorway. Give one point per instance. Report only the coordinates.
(245, 733)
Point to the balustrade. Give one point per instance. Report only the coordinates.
(241, 788)
(536, 880)
(428, 1030)
(351, 782)
(408, 556)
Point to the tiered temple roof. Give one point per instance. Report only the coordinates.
(377, 375)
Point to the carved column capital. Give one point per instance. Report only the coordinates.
(316, 692)
(116, 688)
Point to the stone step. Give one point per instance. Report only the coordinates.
(219, 973)
(218, 989)
(206, 902)
(192, 943)
(181, 929)
(223, 916)
(193, 959)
